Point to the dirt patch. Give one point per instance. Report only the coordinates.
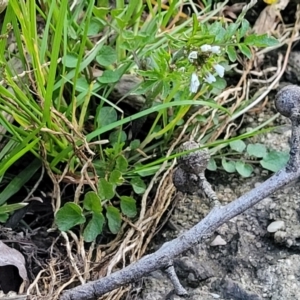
(250, 257)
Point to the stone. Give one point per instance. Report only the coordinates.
(275, 226)
(218, 241)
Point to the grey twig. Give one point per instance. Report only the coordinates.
(287, 103)
(179, 289)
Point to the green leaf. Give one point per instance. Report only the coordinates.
(94, 27)
(107, 56)
(146, 171)
(116, 177)
(138, 185)
(121, 163)
(245, 50)
(68, 216)
(275, 160)
(231, 30)
(257, 150)
(70, 60)
(243, 169)
(3, 218)
(117, 137)
(244, 28)
(216, 29)
(219, 84)
(100, 167)
(195, 24)
(92, 202)
(106, 189)
(11, 207)
(229, 166)
(20, 180)
(231, 53)
(82, 84)
(212, 166)
(101, 12)
(94, 227)
(109, 76)
(114, 219)
(128, 206)
(134, 144)
(112, 76)
(237, 145)
(106, 116)
(261, 40)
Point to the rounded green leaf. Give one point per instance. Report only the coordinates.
(243, 169)
(237, 145)
(138, 185)
(92, 202)
(117, 137)
(70, 60)
(275, 160)
(106, 116)
(134, 144)
(114, 219)
(116, 177)
(112, 76)
(69, 216)
(109, 76)
(212, 166)
(121, 163)
(82, 84)
(94, 27)
(107, 56)
(106, 189)
(128, 206)
(229, 166)
(94, 227)
(257, 150)
(100, 167)
(219, 84)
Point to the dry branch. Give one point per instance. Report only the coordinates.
(287, 103)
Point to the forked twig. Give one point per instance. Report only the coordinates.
(288, 104)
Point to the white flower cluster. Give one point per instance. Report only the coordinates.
(209, 78)
(212, 49)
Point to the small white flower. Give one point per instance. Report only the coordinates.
(216, 49)
(219, 69)
(192, 56)
(195, 83)
(205, 48)
(181, 69)
(210, 78)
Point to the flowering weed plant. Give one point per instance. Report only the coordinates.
(80, 131)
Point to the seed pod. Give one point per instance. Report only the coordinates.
(287, 100)
(194, 162)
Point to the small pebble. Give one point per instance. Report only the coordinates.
(218, 241)
(215, 296)
(275, 226)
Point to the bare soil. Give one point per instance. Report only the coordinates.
(242, 260)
